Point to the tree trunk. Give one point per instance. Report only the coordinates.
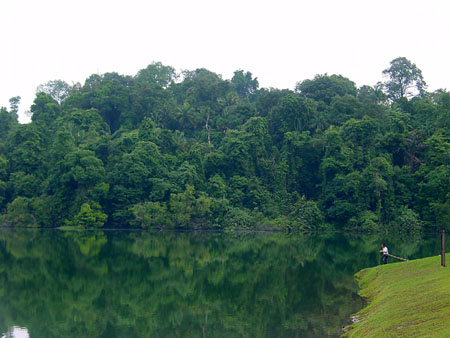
(208, 128)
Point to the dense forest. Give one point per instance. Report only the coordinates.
(193, 150)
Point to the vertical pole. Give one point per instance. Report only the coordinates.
(443, 248)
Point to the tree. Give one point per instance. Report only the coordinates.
(45, 109)
(444, 110)
(8, 123)
(89, 217)
(59, 90)
(3, 173)
(110, 94)
(306, 215)
(157, 74)
(154, 151)
(325, 87)
(83, 128)
(377, 186)
(302, 162)
(342, 108)
(245, 84)
(150, 214)
(14, 104)
(182, 207)
(20, 213)
(27, 150)
(294, 113)
(404, 79)
(360, 132)
(408, 220)
(203, 91)
(21, 184)
(80, 169)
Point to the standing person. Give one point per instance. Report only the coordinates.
(385, 252)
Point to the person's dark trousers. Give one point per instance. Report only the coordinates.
(385, 259)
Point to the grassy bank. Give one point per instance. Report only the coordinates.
(409, 299)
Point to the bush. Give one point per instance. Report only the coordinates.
(238, 219)
(150, 214)
(305, 215)
(408, 220)
(89, 217)
(365, 221)
(20, 213)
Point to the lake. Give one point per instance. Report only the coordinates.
(187, 284)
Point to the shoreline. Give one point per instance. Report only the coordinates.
(404, 299)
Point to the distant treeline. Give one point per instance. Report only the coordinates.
(192, 150)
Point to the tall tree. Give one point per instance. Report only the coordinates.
(404, 79)
(325, 87)
(14, 104)
(244, 83)
(59, 90)
(157, 74)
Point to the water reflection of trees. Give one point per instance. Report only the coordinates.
(92, 284)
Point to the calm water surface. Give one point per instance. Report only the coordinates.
(197, 284)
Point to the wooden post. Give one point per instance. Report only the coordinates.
(443, 248)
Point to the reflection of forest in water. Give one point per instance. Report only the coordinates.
(141, 284)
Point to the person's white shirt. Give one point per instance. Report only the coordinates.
(385, 251)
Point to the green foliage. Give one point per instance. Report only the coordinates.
(156, 74)
(3, 167)
(150, 215)
(109, 94)
(25, 185)
(26, 150)
(217, 186)
(365, 221)
(193, 150)
(57, 89)
(45, 109)
(306, 215)
(80, 169)
(188, 210)
(20, 213)
(404, 79)
(325, 87)
(443, 119)
(8, 123)
(88, 217)
(2, 192)
(14, 104)
(294, 113)
(408, 220)
(244, 83)
(360, 132)
(238, 218)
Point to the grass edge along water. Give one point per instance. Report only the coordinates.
(405, 299)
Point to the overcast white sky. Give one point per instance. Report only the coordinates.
(281, 42)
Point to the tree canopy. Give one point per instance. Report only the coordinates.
(194, 150)
(404, 79)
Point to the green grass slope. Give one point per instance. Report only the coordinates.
(408, 299)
